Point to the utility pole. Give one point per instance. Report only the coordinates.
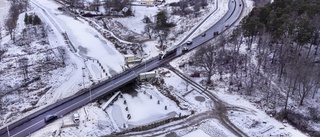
(83, 77)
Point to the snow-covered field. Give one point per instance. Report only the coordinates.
(87, 41)
(142, 108)
(136, 23)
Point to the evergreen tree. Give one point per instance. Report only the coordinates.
(26, 20)
(30, 19)
(36, 20)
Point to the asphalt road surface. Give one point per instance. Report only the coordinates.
(35, 121)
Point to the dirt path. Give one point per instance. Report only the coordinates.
(221, 107)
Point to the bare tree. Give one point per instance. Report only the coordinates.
(23, 64)
(116, 5)
(205, 57)
(96, 4)
(2, 50)
(62, 54)
(148, 30)
(162, 35)
(11, 22)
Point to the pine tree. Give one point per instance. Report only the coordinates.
(26, 20)
(36, 20)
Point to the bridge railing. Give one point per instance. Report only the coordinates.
(121, 74)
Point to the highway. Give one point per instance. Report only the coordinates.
(35, 121)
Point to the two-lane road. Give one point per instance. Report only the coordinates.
(33, 122)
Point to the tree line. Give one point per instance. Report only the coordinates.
(280, 61)
(32, 19)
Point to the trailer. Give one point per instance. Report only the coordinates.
(128, 58)
(167, 53)
(147, 75)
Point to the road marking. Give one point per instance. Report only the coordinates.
(93, 94)
(26, 128)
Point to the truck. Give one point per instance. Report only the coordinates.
(147, 75)
(167, 53)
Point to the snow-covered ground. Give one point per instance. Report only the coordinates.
(96, 58)
(4, 8)
(143, 110)
(256, 122)
(184, 25)
(87, 41)
(136, 23)
(93, 122)
(210, 128)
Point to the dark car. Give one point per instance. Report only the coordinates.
(185, 49)
(215, 33)
(189, 42)
(50, 118)
(203, 34)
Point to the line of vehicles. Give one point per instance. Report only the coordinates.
(164, 54)
(51, 117)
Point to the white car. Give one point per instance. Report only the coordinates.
(185, 49)
(189, 42)
(76, 118)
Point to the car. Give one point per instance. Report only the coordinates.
(185, 49)
(203, 34)
(240, 5)
(215, 33)
(161, 55)
(50, 118)
(76, 118)
(189, 42)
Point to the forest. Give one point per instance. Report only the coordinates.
(272, 59)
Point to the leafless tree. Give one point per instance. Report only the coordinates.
(23, 64)
(2, 50)
(11, 22)
(148, 30)
(205, 57)
(162, 36)
(96, 4)
(62, 54)
(116, 5)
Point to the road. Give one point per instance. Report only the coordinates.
(33, 122)
(221, 108)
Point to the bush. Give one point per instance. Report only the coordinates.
(314, 114)
(301, 122)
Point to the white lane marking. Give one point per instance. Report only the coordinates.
(92, 94)
(75, 103)
(26, 129)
